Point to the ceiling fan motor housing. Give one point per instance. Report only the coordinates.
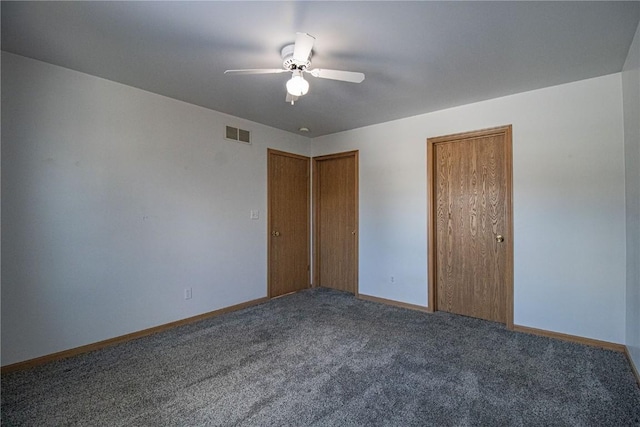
(289, 63)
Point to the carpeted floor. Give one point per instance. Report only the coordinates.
(322, 357)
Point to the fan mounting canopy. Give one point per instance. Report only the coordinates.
(291, 63)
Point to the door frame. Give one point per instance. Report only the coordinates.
(271, 151)
(506, 131)
(316, 228)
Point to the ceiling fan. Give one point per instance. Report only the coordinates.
(296, 59)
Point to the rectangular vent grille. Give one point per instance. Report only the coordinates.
(239, 135)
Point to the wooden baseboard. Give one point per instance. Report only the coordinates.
(393, 303)
(634, 368)
(124, 338)
(571, 338)
(525, 329)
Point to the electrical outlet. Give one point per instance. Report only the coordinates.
(187, 293)
(254, 214)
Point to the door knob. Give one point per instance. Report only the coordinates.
(275, 233)
(499, 238)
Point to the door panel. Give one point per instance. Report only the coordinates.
(471, 202)
(288, 186)
(336, 221)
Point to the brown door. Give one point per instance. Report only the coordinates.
(336, 221)
(470, 226)
(288, 221)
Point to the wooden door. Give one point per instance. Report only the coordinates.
(470, 225)
(336, 221)
(288, 222)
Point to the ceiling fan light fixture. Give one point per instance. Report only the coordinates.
(297, 85)
(296, 59)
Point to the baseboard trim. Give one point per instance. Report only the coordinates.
(571, 338)
(393, 303)
(634, 368)
(124, 338)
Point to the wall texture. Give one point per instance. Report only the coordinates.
(569, 203)
(114, 201)
(631, 97)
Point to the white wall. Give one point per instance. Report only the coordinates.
(569, 203)
(114, 201)
(631, 97)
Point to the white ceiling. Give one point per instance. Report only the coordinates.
(418, 57)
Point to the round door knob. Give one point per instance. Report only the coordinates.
(499, 238)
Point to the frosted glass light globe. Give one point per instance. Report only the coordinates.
(297, 86)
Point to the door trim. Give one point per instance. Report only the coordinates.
(316, 229)
(271, 151)
(506, 131)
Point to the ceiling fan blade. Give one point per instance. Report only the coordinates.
(303, 46)
(257, 71)
(345, 76)
(291, 98)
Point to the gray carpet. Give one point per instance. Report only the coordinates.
(322, 357)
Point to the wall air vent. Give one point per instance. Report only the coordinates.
(236, 134)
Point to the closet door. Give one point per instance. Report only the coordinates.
(336, 221)
(288, 223)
